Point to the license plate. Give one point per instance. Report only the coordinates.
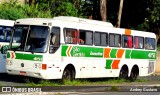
(22, 73)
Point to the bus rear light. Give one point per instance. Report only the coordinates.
(44, 66)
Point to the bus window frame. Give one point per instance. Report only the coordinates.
(83, 30)
(100, 38)
(120, 44)
(138, 43)
(145, 43)
(64, 35)
(122, 41)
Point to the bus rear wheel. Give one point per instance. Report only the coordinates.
(134, 73)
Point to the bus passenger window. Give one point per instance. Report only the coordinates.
(101, 39)
(70, 35)
(114, 40)
(138, 42)
(85, 37)
(127, 41)
(149, 43)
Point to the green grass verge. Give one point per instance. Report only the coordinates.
(81, 82)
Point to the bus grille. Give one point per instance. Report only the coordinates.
(151, 67)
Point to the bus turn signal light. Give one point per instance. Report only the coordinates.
(44, 66)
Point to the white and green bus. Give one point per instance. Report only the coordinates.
(6, 27)
(70, 47)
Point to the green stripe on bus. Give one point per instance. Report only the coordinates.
(79, 51)
(127, 54)
(140, 54)
(22, 56)
(8, 55)
(113, 53)
(108, 63)
(64, 49)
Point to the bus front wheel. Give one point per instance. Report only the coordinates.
(66, 75)
(123, 72)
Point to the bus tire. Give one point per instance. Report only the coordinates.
(134, 73)
(123, 72)
(4, 49)
(67, 75)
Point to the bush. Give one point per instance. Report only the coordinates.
(13, 11)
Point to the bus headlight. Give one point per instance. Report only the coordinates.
(9, 62)
(37, 65)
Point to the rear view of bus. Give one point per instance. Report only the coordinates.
(6, 27)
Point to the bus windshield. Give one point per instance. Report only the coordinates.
(30, 38)
(5, 33)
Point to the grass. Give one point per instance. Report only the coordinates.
(80, 82)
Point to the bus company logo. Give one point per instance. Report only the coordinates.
(151, 55)
(6, 89)
(76, 49)
(77, 53)
(37, 59)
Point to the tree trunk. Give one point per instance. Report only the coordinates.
(33, 2)
(30, 2)
(120, 13)
(157, 34)
(103, 9)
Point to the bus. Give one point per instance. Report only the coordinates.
(67, 47)
(6, 27)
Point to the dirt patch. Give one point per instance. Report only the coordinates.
(158, 63)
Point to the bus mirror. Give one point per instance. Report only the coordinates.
(4, 49)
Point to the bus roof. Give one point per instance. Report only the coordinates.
(83, 20)
(6, 22)
(42, 21)
(80, 23)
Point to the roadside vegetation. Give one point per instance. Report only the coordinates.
(158, 47)
(81, 82)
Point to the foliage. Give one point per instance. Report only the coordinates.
(158, 47)
(13, 11)
(145, 16)
(66, 9)
(61, 8)
(36, 11)
(152, 21)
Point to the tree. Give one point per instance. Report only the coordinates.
(154, 18)
(120, 13)
(103, 9)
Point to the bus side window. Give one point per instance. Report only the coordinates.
(54, 39)
(70, 35)
(149, 43)
(138, 42)
(85, 37)
(114, 40)
(127, 41)
(100, 39)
